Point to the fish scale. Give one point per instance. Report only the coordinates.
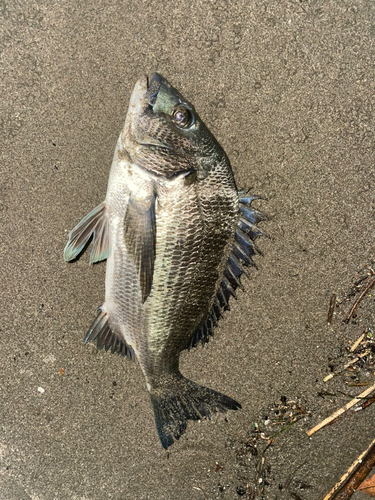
(177, 235)
(165, 308)
(171, 309)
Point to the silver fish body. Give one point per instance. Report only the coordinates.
(176, 235)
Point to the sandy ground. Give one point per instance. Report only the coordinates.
(287, 87)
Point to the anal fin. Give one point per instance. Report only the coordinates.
(100, 331)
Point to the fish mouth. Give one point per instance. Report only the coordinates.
(153, 87)
(142, 102)
(145, 93)
(138, 99)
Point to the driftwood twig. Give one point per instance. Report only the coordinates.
(351, 362)
(357, 342)
(341, 411)
(366, 403)
(200, 489)
(354, 476)
(370, 285)
(331, 309)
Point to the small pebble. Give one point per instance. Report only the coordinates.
(240, 491)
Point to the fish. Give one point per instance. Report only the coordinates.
(177, 235)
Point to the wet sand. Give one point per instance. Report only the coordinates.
(288, 90)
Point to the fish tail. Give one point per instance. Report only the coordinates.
(177, 400)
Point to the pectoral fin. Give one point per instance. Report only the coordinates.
(140, 239)
(95, 224)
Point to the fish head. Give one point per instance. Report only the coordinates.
(163, 132)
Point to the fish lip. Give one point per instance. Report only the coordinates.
(145, 90)
(153, 86)
(155, 80)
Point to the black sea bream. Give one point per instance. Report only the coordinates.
(176, 234)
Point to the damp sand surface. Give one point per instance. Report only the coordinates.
(288, 90)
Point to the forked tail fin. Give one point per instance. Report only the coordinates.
(177, 400)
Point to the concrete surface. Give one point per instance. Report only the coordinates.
(287, 87)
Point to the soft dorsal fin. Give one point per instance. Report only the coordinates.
(95, 224)
(140, 239)
(101, 332)
(241, 256)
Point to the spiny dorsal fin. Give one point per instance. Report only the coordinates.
(101, 332)
(95, 224)
(140, 239)
(241, 256)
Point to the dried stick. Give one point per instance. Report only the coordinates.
(371, 284)
(341, 411)
(357, 342)
(354, 476)
(351, 362)
(366, 404)
(200, 489)
(331, 309)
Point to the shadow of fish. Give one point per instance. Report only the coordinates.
(176, 234)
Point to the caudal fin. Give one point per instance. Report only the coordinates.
(178, 400)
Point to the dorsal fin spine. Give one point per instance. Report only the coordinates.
(241, 255)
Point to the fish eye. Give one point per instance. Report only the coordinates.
(183, 117)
